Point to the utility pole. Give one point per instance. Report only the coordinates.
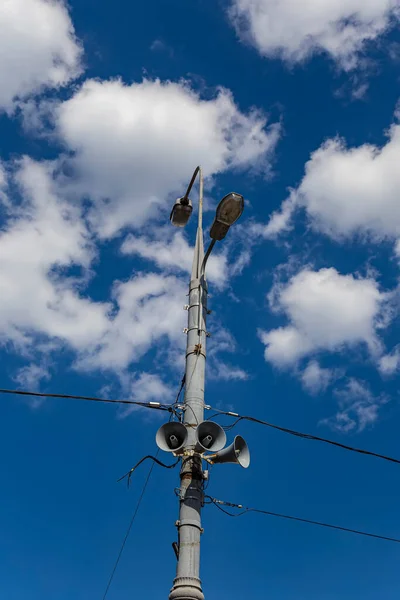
(194, 436)
(187, 584)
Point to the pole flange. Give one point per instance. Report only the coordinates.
(186, 588)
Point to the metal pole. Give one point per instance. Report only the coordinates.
(187, 584)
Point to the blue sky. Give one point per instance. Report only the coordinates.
(105, 111)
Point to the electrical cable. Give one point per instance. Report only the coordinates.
(190, 381)
(245, 510)
(155, 405)
(305, 436)
(154, 459)
(135, 512)
(180, 389)
(174, 411)
(169, 408)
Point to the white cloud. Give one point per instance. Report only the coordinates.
(358, 408)
(279, 222)
(42, 305)
(136, 145)
(222, 342)
(38, 48)
(176, 255)
(148, 308)
(326, 311)
(295, 30)
(42, 236)
(145, 387)
(390, 363)
(222, 371)
(346, 191)
(316, 379)
(31, 375)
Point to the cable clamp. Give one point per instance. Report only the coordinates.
(189, 523)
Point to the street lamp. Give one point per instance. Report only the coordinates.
(228, 211)
(181, 212)
(191, 436)
(183, 207)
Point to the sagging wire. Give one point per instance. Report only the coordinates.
(226, 428)
(305, 436)
(131, 522)
(154, 459)
(185, 406)
(220, 503)
(153, 405)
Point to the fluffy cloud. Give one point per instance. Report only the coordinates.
(316, 379)
(43, 236)
(390, 363)
(46, 260)
(175, 254)
(149, 307)
(358, 408)
(31, 375)
(144, 387)
(135, 145)
(346, 191)
(326, 311)
(295, 30)
(38, 48)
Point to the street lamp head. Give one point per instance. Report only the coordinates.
(228, 211)
(181, 212)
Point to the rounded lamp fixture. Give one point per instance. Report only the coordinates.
(228, 211)
(181, 212)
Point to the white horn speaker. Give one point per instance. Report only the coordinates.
(237, 453)
(171, 437)
(209, 437)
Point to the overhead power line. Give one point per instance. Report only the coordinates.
(237, 416)
(154, 405)
(305, 436)
(220, 503)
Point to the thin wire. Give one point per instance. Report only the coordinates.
(135, 512)
(87, 398)
(187, 386)
(307, 436)
(218, 503)
(174, 411)
(180, 389)
(169, 408)
(154, 459)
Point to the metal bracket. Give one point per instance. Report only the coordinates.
(186, 307)
(186, 330)
(175, 547)
(189, 522)
(208, 334)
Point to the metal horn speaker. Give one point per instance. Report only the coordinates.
(237, 453)
(209, 437)
(171, 437)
